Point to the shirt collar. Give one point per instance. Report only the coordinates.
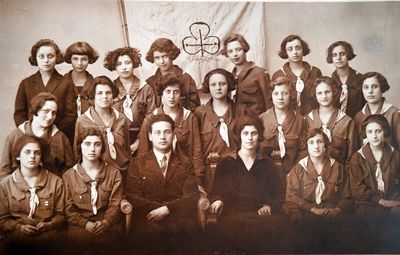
(159, 155)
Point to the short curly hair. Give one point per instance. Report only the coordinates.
(38, 101)
(304, 45)
(81, 48)
(110, 61)
(89, 132)
(45, 42)
(283, 80)
(231, 38)
(24, 140)
(310, 133)
(381, 79)
(103, 80)
(380, 120)
(247, 118)
(330, 82)
(347, 47)
(230, 79)
(163, 45)
(169, 80)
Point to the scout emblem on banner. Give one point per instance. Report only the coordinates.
(200, 42)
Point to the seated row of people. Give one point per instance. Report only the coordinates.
(247, 193)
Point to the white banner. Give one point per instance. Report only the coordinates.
(198, 30)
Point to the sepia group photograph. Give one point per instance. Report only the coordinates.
(199, 127)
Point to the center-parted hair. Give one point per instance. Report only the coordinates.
(154, 118)
(24, 140)
(232, 38)
(163, 45)
(230, 79)
(89, 132)
(38, 101)
(381, 79)
(283, 80)
(247, 118)
(331, 83)
(168, 80)
(380, 120)
(111, 59)
(347, 47)
(290, 38)
(102, 80)
(45, 42)
(310, 133)
(81, 48)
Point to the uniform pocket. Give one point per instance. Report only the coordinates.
(81, 195)
(104, 192)
(46, 205)
(17, 203)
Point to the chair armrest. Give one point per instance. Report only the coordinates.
(126, 207)
(202, 205)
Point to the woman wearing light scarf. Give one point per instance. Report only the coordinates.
(136, 98)
(216, 119)
(337, 125)
(93, 193)
(375, 180)
(302, 74)
(283, 127)
(112, 124)
(31, 200)
(317, 192)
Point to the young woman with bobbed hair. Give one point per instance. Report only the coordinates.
(301, 73)
(93, 193)
(375, 186)
(339, 128)
(112, 124)
(79, 55)
(136, 98)
(318, 196)
(58, 157)
(283, 127)
(253, 89)
(31, 202)
(217, 118)
(246, 194)
(349, 97)
(374, 85)
(46, 55)
(163, 52)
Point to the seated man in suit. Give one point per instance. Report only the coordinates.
(162, 188)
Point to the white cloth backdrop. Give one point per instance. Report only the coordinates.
(200, 23)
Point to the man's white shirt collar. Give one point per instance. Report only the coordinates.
(159, 156)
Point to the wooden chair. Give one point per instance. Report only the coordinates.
(126, 209)
(202, 207)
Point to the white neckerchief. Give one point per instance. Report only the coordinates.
(343, 98)
(327, 131)
(319, 190)
(33, 202)
(79, 105)
(281, 141)
(299, 89)
(110, 141)
(223, 131)
(127, 107)
(379, 178)
(93, 196)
